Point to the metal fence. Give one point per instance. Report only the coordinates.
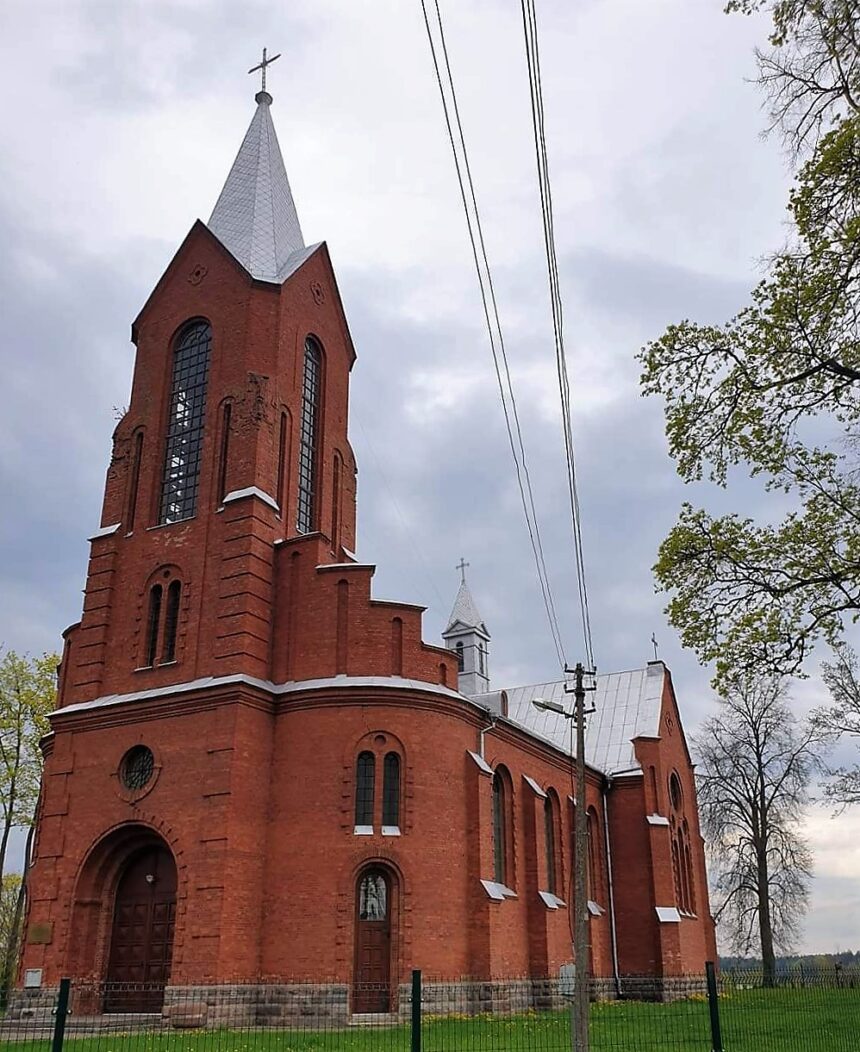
(797, 1011)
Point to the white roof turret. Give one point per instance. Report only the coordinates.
(255, 217)
(465, 612)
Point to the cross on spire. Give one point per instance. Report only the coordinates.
(262, 66)
(654, 641)
(461, 566)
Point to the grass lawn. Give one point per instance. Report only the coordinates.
(811, 1020)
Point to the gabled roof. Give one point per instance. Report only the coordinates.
(255, 217)
(627, 705)
(464, 613)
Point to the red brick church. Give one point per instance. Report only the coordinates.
(256, 770)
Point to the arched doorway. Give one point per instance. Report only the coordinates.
(141, 942)
(374, 895)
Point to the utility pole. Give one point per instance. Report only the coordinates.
(581, 948)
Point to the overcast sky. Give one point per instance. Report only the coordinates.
(119, 124)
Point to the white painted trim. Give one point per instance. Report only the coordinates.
(251, 491)
(346, 566)
(391, 830)
(105, 531)
(292, 687)
(346, 551)
(363, 831)
(535, 788)
(551, 901)
(496, 891)
(595, 910)
(480, 761)
(627, 774)
(667, 915)
(656, 820)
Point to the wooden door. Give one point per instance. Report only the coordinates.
(372, 985)
(142, 936)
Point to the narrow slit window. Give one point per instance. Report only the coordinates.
(152, 624)
(308, 438)
(499, 831)
(134, 483)
(391, 790)
(282, 465)
(549, 827)
(184, 442)
(460, 663)
(171, 621)
(365, 774)
(224, 453)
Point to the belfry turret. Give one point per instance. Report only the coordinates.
(468, 637)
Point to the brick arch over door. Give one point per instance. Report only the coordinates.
(109, 871)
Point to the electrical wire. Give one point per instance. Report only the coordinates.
(491, 317)
(530, 31)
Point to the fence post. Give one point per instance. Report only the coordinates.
(416, 1010)
(714, 1006)
(60, 1018)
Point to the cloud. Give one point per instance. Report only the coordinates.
(665, 198)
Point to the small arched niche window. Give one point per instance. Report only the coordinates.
(391, 792)
(365, 776)
(162, 620)
(676, 795)
(185, 420)
(500, 829)
(308, 438)
(459, 649)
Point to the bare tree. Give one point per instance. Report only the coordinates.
(755, 764)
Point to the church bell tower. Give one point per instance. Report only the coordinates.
(467, 636)
(234, 442)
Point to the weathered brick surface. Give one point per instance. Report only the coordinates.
(253, 790)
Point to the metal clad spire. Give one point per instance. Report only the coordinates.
(255, 217)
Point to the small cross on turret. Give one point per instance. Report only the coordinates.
(262, 66)
(462, 565)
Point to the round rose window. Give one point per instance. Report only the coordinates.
(137, 767)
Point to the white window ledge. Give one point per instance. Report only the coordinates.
(363, 831)
(105, 531)
(595, 910)
(551, 901)
(656, 820)
(532, 784)
(667, 915)
(391, 830)
(498, 892)
(251, 491)
(481, 762)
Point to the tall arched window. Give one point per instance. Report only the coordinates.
(391, 790)
(171, 621)
(593, 860)
(185, 423)
(365, 776)
(153, 621)
(308, 438)
(499, 830)
(549, 835)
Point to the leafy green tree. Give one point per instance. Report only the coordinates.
(27, 695)
(774, 391)
(755, 763)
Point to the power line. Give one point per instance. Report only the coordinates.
(491, 318)
(530, 31)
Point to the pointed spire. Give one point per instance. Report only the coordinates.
(255, 217)
(465, 610)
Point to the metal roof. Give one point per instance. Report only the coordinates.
(627, 706)
(465, 612)
(255, 217)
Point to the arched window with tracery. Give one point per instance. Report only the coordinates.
(391, 791)
(365, 777)
(163, 612)
(306, 516)
(185, 421)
